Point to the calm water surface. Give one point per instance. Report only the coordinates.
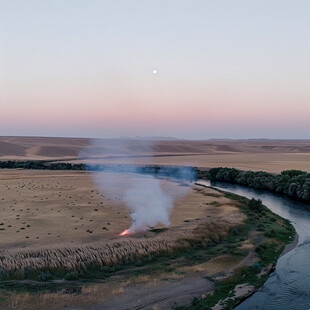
(289, 286)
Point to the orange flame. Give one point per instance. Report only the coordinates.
(124, 233)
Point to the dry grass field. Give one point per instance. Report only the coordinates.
(52, 220)
(59, 219)
(46, 213)
(267, 155)
(48, 207)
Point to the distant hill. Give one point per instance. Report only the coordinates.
(253, 154)
(153, 138)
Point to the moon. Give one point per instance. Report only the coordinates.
(154, 71)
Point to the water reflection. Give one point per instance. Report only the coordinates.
(289, 286)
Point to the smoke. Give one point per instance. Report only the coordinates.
(148, 192)
(148, 203)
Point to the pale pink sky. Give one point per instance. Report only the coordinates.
(225, 69)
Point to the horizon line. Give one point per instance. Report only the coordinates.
(153, 138)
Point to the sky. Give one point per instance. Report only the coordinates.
(225, 69)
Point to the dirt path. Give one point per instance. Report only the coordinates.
(166, 295)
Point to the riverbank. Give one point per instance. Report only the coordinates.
(291, 246)
(245, 291)
(242, 284)
(288, 286)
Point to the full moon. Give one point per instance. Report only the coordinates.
(154, 71)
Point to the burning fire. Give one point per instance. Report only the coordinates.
(124, 233)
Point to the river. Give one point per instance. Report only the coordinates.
(289, 286)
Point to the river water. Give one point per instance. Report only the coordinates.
(289, 286)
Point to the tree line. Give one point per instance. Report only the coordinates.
(40, 164)
(292, 183)
(175, 172)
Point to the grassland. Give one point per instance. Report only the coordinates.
(223, 240)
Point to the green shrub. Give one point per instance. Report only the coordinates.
(4, 275)
(70, 276)
(44, 276)
(255, 205)
(257, 267)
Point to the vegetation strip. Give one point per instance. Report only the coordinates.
(174, 172)
(291, 183)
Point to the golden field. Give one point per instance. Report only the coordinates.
(46, 211)
(268, 155)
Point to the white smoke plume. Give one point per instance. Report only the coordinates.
(150, 198)
(148, 203)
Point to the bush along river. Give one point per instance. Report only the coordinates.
(288, 287)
